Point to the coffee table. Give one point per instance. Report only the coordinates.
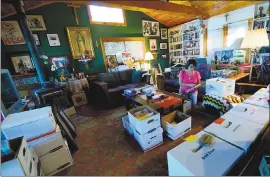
(164, 106)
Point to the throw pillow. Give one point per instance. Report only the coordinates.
(136, 77)
(175, 72)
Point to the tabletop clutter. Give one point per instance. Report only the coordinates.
(146, 125)
(39, 137)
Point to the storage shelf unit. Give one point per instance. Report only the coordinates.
(185, 42)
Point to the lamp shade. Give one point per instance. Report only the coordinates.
(148, 56)
(255, 39)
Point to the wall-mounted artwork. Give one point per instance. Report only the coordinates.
(150, 28)
(53, 40)
(164, 33)
(11, 33)
(59, 61)
(80, 42)
(163, 46)
(111, 61)
(153, 44)
(22, 63)
(36, 38)
(36, 22)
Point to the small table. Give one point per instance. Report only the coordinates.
(239, 76)
(76, 86)
(165, 106)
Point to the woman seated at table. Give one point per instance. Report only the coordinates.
(189, 78)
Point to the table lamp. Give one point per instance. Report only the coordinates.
(148, 57)
(255, 39)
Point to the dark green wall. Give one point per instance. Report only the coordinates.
(58, 16)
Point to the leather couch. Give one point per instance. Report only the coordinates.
(109, 87)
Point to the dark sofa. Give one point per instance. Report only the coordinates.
(109, 87)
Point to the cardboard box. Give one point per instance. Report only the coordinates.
(126, 125)
(22, 159)
(176, 130)
(258, 100)
(250, 112)
(263, 91)
(220, 87)
(143, 126)
(30, 124)
(213, 160)
(234, 130)
(47, 144)
(264, 167)
(56, 161)
(150, 139)
(37, 171)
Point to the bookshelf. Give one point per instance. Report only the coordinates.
(185, 42)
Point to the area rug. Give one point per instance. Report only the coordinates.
(105, 149)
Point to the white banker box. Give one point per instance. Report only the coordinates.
(263, 91)
(56, 160)
(175, 130)
(258, 100)
(29, 124)
(22, 162)
(150, 139)
(48, 143)
(251, 112)
(239, 132)
(126, 125)
(220, 87)
(144, 125)
(215, 159)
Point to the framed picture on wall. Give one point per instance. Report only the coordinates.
(11, 33)
(53, 40)
(80, 41)
(153, 44)
(22, 63)
(164, 33)
(36, 22)
(163, 46)
(150, 28)
(111, 61)
(59, 61)
(36, 38)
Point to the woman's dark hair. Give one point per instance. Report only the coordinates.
(191, 61)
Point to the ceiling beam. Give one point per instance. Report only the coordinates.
(166, 7)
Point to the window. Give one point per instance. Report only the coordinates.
(124, 49)
(236, 31)
(214, 40)
(106, 15)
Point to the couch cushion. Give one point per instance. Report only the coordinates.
(126, 76)
(111, 78)
(175, 72)
(172, 82)
(137, 77)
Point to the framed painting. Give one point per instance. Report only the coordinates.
(164, 33)
(36, 22)
(80, 42)
(163, 46)
(153, 44)
(150, 28)
(11, 33)
(60, 61)
(22, 63)
(53, 40)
